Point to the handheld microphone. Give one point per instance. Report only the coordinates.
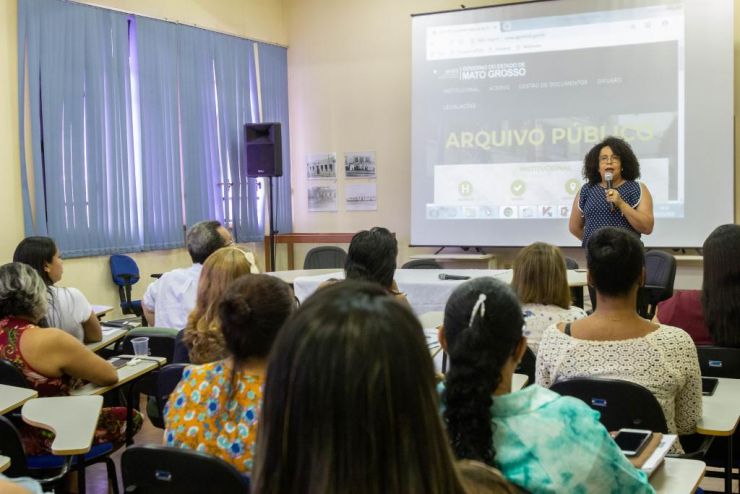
(444, 276)
(609, 177)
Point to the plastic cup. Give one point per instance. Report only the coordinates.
(141, 345)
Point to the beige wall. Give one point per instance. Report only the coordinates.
(256, 19)
(350, 77)
(349, 86)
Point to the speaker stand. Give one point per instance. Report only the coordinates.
(271, 225)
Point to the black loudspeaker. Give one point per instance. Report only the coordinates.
(264, 149)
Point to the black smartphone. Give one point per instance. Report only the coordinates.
(119, 362)
(709, 385)
(632, 441)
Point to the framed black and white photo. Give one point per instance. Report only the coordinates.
(359, 165)
(361, 197)
(321, 165)
(322, 197)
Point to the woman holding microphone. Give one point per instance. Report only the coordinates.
(612, 196)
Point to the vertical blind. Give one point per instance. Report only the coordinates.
(137, 128)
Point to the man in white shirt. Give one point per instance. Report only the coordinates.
(168, 301)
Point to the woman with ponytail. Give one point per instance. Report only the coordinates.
(215, 406)
(541, 441)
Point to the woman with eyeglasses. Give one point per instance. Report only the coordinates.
(612, 196)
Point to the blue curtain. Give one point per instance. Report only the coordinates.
(200, 159)
(235, 80)
(163, 216)
(82, 191)
(274, 89)
(137, 128)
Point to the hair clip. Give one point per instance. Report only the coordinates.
(480, 303)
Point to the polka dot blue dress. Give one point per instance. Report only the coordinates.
(597, 212)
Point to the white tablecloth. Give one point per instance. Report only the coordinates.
(423, 288)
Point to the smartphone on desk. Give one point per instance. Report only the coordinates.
(708, 385)
(632, 441)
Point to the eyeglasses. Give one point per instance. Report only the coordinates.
(613, 158)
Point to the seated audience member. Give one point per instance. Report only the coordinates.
(711, 316)
(350, 401)
(372, 257)
(541, 283)
(50, 359)
(615, 342)
(215, 407)
(19, 485)
(202, 335)
(168, 300)
(540, 441)
(69, 310)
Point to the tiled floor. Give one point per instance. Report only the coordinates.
(97, 476)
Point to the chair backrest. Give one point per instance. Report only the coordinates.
(660, 270)
(324, 257)
(124, 270)
(161, 341)
(576, 292)
(422, 264)
(168, 378)
(622, 404)
(660, 275)
(12, 447)
(162, 470)
(716, 361)
(527, 365)
(571, 263)
(12, 375)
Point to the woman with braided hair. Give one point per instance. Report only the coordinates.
(539, 440)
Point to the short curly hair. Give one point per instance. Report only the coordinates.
(22, 292)
(621, 148)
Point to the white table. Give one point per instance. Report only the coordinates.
(423, 288)
(4, 463)
(110, 335)
(518, 381)
(678, 476)
(11, 397)
(73, 420)
(126, 374)
(290, 276)
(101, 310)
(721, 415)
(455, 260)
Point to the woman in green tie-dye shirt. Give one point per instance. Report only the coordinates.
(541, 441)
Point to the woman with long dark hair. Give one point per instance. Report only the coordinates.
(540, 441)
(350, 404)
(711, 315)
(68, 308)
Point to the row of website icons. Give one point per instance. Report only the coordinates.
(438, 212)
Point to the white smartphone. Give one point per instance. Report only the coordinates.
(632, 441)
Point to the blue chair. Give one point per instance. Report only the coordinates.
(125, 274)
(50, 469)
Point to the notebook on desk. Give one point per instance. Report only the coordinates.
(126, 323)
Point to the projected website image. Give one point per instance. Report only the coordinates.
(519, 190)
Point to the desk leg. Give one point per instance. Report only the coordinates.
(728, 467)
(130, 414)
(81, 484)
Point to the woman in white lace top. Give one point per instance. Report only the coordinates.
(541, 283)
(615, 342)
